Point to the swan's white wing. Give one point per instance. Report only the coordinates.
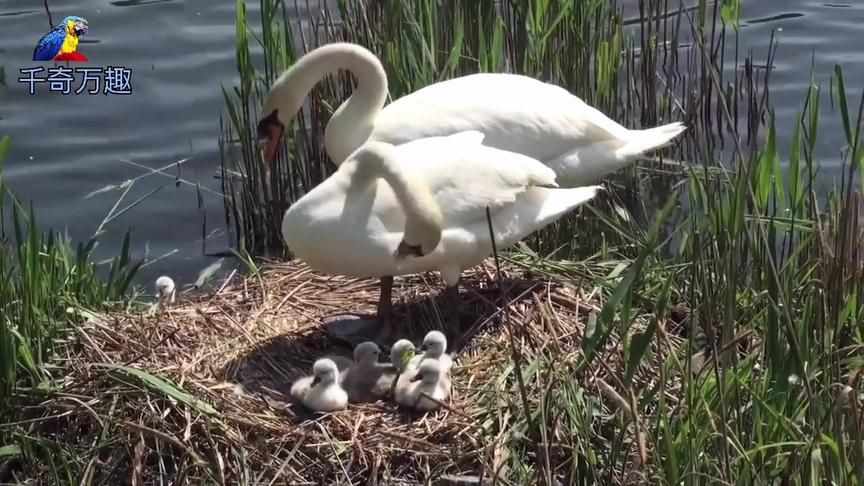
(467, 138)
(516, 113)
(464, 177)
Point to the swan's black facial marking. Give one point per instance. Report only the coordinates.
(315, 381)
(406, 250)
(267, 123)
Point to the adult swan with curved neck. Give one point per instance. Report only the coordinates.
(515, 113)
(395, 210)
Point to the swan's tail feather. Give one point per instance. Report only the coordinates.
(559, 201)
(653, 138)
(537, 207)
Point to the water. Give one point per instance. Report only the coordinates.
(65, 147)
(815, 34)
(182, 51)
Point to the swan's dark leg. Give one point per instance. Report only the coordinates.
(450, 313)
(385, 312)
(353, 329)
(385, 300)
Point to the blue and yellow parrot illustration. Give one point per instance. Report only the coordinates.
(60, 44)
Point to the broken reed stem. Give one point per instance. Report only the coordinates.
(514, 355)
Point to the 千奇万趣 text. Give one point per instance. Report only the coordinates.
(105, 80)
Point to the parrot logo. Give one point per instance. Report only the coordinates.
(61, 42)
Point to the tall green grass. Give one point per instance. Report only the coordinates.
(46, 282)
(771, 272)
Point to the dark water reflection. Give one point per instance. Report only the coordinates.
(182, 51)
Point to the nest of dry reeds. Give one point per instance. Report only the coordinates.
(199, 392)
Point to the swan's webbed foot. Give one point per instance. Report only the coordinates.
(353, 329)
(451, 314)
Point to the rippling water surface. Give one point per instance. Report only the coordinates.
(182, 51)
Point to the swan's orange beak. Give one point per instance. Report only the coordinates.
(273, 139)
(271, 129)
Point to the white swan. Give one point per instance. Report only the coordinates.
(516, 113)
(367, 380)
(395, 210)
(428, 381)
(321, 392)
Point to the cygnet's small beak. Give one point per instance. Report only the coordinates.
(417, 377)
(315, 381)
(271, 130)
(405, 250)
(423, 348)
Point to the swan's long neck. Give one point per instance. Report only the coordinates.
(352, 123)
(423, 219)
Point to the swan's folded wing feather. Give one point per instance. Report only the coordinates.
(466, 177)
(515, 112)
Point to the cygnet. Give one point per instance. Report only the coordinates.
(402, 356)
(165, 292)
(321, 392)
(368, 380)
(435, 346)
(428, 381)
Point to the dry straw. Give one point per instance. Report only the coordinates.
(200, 391)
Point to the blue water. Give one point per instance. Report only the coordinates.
(182, 51)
